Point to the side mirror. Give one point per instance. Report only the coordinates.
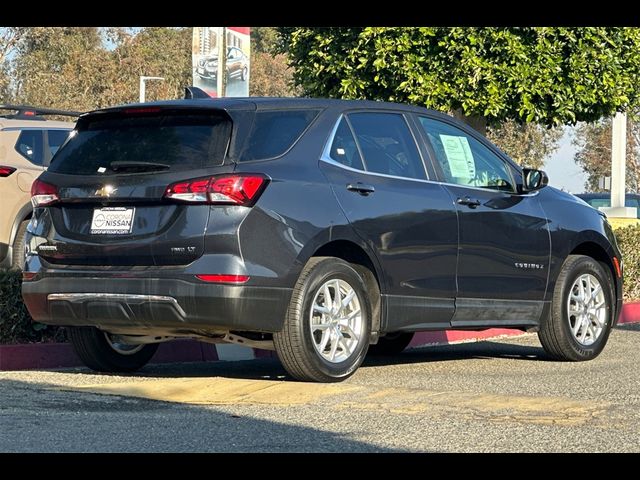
(533, 179)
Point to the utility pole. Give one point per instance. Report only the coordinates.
(618, 169)
(143, 89)
(221, 83)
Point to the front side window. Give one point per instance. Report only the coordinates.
(387, 145)
(464, 160)
(29, 145)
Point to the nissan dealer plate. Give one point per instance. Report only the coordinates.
(112, 221)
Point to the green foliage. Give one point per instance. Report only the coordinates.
(264, 40)
(529, 144)
(271, 76)
(546, 75)
(593, 153)
(629, 243)
(16, 325)
(71, 67)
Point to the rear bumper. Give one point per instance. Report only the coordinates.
(172, 306)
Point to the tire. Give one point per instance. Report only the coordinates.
(572, 331)
(17, 260)
(98, 353)
(312, 355)
(391, 344)
(243, 75)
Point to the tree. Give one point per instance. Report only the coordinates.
(271, 75)
(70, 67)
(529, 144)
(593, 143)
(547, 75)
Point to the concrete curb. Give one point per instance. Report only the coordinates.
(58, 355)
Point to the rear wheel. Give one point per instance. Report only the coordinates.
(581, 316)
(17, 260)
(103, 352)
(326, 330)
(391, 344)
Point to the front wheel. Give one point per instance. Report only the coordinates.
(102, 352)
(326, 331)
(582, 312)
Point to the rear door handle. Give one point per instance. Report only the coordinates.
(468, 201)
(361, 188)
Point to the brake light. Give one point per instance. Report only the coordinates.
(223, 278)
(6, 171)
(240, 189)
(43, 194)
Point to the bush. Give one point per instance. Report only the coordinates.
(629, 243)
(16, 325)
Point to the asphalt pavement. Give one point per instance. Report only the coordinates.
(489, 396)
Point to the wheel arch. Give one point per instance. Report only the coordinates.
(24, 213)
(365, 263)
(596, 251)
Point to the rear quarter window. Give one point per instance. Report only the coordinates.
(274, 132)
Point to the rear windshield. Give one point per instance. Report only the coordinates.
(274, 132)
(181, 141)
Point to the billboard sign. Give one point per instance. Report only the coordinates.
(208, 45)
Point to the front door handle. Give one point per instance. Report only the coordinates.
(468, 201)
(361, 188)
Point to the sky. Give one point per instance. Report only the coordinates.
(561, 168)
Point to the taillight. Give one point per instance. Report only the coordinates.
(239, 189)
(6, 171)
(43, 194)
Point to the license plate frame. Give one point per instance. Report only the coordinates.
(112, 221)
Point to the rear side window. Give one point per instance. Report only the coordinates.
(274, 132)
(29, 145)
(344, 149)
(387, 145)
(56, 139)
(183, 141)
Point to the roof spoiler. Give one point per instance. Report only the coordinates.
(195, 93)
(29, 112)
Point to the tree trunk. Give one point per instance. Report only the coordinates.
(477, 122)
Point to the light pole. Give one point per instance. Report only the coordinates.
(618, 173)
(143, 89)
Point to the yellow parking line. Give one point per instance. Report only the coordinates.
(221, 391)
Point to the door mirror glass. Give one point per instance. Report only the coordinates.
(533, 179)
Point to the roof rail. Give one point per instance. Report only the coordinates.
(195, 92)
(29, 112)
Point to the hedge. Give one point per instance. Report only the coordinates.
(16, 325)
(629, 243)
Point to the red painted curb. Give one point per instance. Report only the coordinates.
(58, 355)
(630, 313)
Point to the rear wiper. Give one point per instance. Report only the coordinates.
(139, 166)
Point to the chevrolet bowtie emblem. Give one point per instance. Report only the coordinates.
(106, 191)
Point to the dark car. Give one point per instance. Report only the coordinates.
(603, 199)
(313, 227)
(237, 65)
